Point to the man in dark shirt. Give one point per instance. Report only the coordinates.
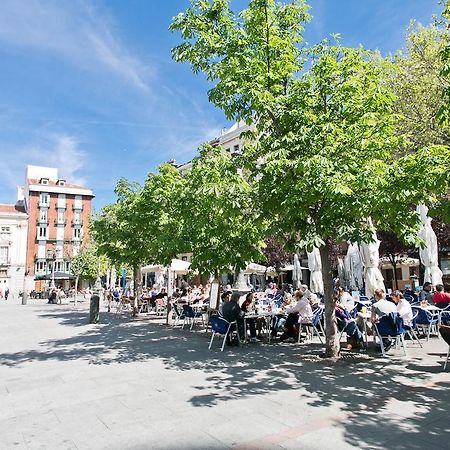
(231, 311)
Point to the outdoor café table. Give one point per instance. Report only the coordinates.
(432, 309)
(266, 315)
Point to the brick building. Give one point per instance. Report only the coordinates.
(58, 219)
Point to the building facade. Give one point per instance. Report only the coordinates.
(13, 246)
(58, 219)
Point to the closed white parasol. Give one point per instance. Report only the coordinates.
(315, 267)
(429, 254)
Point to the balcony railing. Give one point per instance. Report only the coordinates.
(77, 222)
(5, 261)
(42, 221)
(61, 206)
(77, 207)
(60, 222)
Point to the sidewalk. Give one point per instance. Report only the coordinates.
(123, 384)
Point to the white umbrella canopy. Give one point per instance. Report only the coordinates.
(297, 276)
(315, 267)
(341, 272)
(429, 254)
(370, 258)
(353, 267)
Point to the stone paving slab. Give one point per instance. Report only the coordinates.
(138, 384)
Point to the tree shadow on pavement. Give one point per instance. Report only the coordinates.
(385, 402)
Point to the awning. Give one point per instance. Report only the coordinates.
(55, 276)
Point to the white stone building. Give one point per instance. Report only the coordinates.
(13, 246)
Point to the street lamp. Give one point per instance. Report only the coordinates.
(51, 256)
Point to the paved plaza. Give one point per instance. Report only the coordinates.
(124, 384)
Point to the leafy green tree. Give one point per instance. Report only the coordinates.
(87, 264)
(321, 154)
(221, 226)
(119, 232)
(444, 111)
(142, 226)
(418, 81)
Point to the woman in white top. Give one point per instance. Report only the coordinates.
(403, 307)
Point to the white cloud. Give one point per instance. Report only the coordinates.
(55, 150)
(74, 31)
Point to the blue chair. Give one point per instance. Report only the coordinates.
(427, 320)
(189, 315)
(410, 329)
(391, 326)
(409, 298)
(179, 316)
(445, 314)
(315, 325)
(221, 326)
(445, 333)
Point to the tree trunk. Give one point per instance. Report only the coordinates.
(75, 291)
(331, 342)
(136, 289)
(393, 261)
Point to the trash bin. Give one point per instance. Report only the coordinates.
(94, 309)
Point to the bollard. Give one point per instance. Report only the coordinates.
(94, 310)
(24, 297)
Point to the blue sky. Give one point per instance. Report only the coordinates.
(90, 87)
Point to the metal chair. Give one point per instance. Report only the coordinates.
(445, 333)
(221, 326)
(190, 315)
(391, 326)
(427, 320)
(315, 324)
(410, 329)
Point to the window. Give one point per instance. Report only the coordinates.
(61, 182)
(5, 229)
(77, 233)
(41, 266)
(228, 150)
(44, 180)
(236, 148)
(3, 273)
(42, 232)
(4, 253)
(59, 265)
(43, 215)
(76, 217)
(44, 198)
(60, 217)
(67, 266)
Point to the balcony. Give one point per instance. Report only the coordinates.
(5, 261)
(42, 222)
(60, 206)
(77, 207)
(77, 222)
(60, 222)
(44, 205)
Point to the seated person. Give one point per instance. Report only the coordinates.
(314, 302)
(380, 308)
(425, 293)
(343, 319)
(345, 299)
(225, 297)
(232, 312)
(300, 312)
(246, 307)
(440, 298)
(279, 320)
(403, 308)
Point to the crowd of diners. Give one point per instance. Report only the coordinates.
(292, 312)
